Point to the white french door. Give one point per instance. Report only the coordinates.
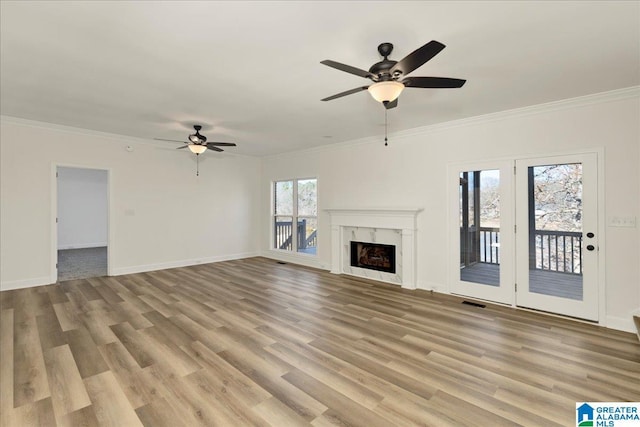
(557, 234)
(525, 232)
(481, 232)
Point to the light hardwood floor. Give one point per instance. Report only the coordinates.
(254, 342)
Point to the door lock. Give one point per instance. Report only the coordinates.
(590, 247)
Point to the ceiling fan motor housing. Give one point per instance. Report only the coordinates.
(196, 137)
(381, 69)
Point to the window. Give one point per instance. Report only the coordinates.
(295, 202)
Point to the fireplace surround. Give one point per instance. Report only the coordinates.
(383, 226)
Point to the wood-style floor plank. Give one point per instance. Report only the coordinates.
(110, 404)
(67, 390)
(85, 417)
(255, 343)
(85, 353)
(29, 373)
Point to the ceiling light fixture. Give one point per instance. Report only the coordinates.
(386, 91)
(197, 148)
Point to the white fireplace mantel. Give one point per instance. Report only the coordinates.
(404, 220)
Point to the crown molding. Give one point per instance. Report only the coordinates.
(88, 132)
(74, 130)
(564, 104)
(548, 107)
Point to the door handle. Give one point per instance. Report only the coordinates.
(590, 247)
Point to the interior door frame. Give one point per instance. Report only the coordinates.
(600, 222)
(54, 215)
(506, 293)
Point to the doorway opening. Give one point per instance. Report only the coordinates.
(82, 223)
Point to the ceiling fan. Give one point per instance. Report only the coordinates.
(390, 77)
(198, 144)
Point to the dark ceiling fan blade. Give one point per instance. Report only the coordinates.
(418, 57)
(184, 146)
(392, 104)
(433, 82)
(214, 148)
(348, 69)
(345, 93)
(222, 144)
(170, 140)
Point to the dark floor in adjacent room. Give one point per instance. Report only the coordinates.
(82, 263)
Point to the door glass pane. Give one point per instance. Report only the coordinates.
(480, 227)
(283, 229)
(555, 230)
(307, 235)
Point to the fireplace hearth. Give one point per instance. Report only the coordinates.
(373, 256)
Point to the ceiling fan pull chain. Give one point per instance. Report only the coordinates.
(197, 164)
(385, 128)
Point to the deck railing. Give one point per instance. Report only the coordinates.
(284, 235)
(559, 251)
(490, 245)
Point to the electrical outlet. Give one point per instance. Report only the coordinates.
(622, 221)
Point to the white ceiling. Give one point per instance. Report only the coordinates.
(250, 72)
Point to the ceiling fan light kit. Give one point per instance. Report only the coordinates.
(386, 91)
(197, 148)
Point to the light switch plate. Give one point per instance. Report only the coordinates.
(622, 221)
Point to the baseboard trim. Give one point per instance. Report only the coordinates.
(621, 323)
(26, 283)
(306, 260)
(431, 286)
(182, 263)
(82, 246)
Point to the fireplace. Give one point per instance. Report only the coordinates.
(388, 228)
(373, 256)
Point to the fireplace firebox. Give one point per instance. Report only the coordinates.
(374, 256)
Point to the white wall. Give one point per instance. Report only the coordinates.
(82, 208)
(412, 170)
(161, 214)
